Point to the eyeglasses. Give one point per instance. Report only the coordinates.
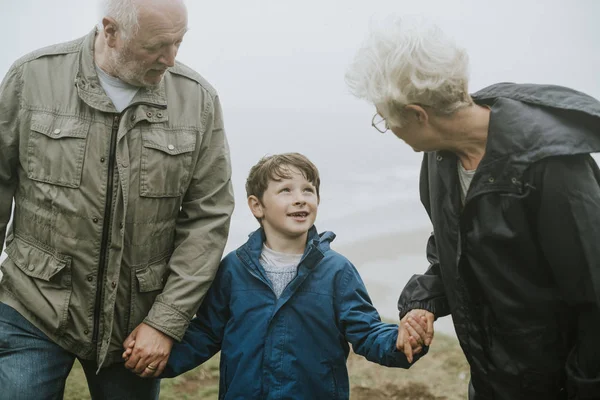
(379, 123)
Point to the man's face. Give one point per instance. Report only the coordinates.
(143, 59)
(289, 207)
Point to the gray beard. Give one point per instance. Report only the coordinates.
(124, 71)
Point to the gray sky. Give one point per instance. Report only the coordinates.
(284, 53)
(279, 65)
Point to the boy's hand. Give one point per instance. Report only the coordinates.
(414, 332)
(128, 349)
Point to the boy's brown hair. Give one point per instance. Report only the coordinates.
(276, 168)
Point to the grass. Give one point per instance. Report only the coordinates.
(442, 375)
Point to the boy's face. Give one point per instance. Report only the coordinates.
(288, 208)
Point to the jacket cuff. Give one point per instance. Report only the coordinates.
(438, 307)
(397, 358)
(168, 320)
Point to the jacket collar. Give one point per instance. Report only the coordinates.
(91, 92)
(543, 95)
(316, 247)
(527, 124)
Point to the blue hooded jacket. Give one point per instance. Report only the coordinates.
(294, 347)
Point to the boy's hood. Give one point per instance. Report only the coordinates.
(319, 240)
(316, 242)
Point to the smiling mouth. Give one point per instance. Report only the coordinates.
(302, 214)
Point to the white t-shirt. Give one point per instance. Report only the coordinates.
(465, 176)
(119, 92)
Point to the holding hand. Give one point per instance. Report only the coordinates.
(414, 332)
(147, 351)
(128, 349)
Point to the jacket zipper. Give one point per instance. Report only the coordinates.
(107, 215)
(254, 274)
(105, 227)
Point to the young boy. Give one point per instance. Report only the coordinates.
(284, 306)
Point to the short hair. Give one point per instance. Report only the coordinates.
(276, 168)
(410, 62)
(124, 12)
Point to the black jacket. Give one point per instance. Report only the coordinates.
(518, 266)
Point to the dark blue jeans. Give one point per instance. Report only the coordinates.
(34, 367)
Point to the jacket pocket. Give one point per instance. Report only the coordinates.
(339, 384)
(56, 149)
(532, 345)
(166, 162)
(149, 280)
(41, 280)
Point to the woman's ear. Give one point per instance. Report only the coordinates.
(255, 206)
(418, 112)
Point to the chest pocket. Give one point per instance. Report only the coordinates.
(166, 162)
(56, 149)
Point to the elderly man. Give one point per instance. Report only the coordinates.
(514, 198)
(118, 164)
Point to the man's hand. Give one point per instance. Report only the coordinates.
(414, 332)
(147, 351)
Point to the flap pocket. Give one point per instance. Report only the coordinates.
(56, 149)
(152, 277)
(58, 127)
(35, 261)
(170, 142)
(166, 162)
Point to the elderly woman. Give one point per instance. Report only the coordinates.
(514, 198)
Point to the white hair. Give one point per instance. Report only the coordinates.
(403, 63)
(124, 12)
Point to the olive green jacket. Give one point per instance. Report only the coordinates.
(119, 218)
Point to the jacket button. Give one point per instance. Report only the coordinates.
(30, 267)
(149, 114)
(514, 180)
(159, 115)
(95, 220)
(439, 158)
(86, 332)
(114, 285)
(102, 159)
(171, 147)
(491, 179)
(89, 278)
(56, 131)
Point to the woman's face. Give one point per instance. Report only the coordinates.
(417, 131)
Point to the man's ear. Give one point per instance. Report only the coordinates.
(110, 29)
(255, 206)
(418, 112)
